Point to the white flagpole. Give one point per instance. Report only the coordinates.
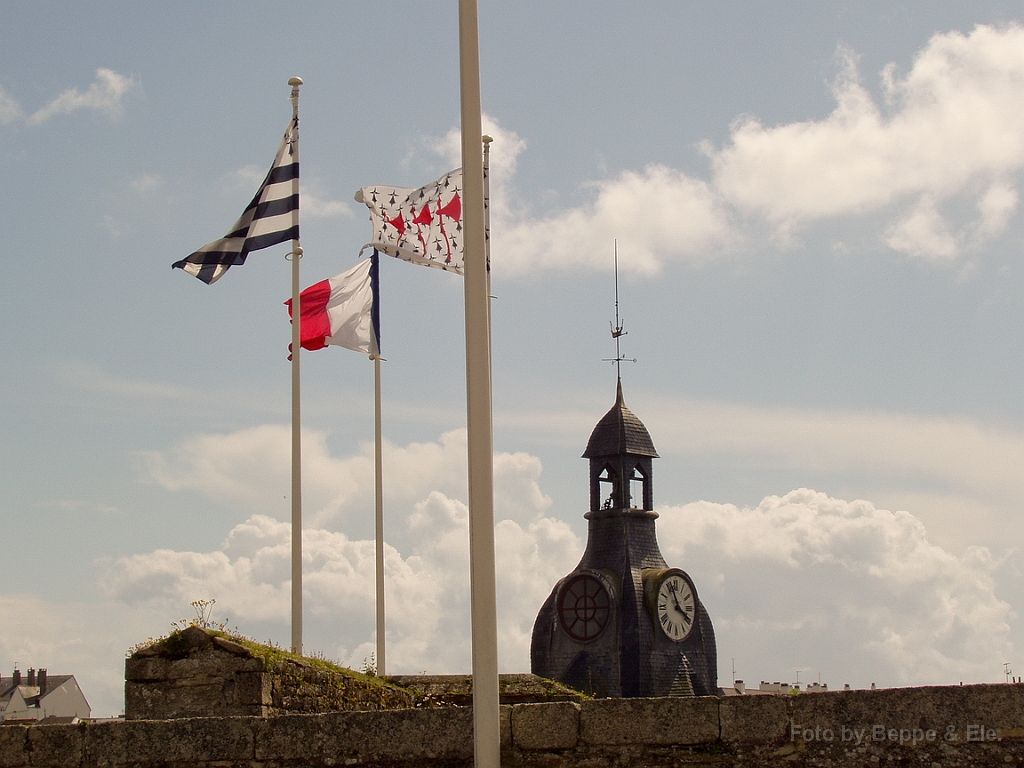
(378, 469)
(296, 254)
(486, 724)
(487, 224)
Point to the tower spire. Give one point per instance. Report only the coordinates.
(616, 329)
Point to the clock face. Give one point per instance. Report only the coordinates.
(677, 606)
(584, 607)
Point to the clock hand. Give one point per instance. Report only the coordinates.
(680, 608)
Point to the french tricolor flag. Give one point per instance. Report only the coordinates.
(342, 311)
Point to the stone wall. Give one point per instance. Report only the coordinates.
(196, 673)
(981, 725)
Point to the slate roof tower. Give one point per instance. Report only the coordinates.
(623, 624)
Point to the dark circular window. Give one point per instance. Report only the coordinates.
(584, 607)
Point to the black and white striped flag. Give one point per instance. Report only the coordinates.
(271, 218)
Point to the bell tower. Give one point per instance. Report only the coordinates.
(624, 624)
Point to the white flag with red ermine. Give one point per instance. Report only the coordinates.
(422, 225)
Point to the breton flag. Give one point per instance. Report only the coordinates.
(342, 311)
(271, 218)
(420, 225)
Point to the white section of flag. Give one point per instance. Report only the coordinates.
(420, 225)
(339, 311)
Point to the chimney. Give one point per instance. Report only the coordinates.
(31, 676)
(41, 681)
(17, 676)
(740, 687)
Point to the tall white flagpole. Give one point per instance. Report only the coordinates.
(486, 724)
(378, 469)
(296, 254)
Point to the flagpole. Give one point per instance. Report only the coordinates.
(378, 470)
(486, 713)
(487, 223)
(296, 254)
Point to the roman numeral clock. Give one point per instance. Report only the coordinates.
(623, 623)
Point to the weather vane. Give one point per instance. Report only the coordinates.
(616, 329)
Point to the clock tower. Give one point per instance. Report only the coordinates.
(623, 623)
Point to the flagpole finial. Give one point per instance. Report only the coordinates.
(486, 139)
(295, 82)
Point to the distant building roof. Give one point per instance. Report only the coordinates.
(619, 432)
(31, 693)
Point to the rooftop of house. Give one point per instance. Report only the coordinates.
(32, 686)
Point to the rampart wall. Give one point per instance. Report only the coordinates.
(978, 725)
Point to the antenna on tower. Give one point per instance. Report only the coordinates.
(616, 329)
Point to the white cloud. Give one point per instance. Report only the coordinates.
(802, 581)
(427, 589)
(92, 379)
(996, 206)
(246, 178)
(656, 214)
(809, 582)
(10, 111)
(427, 558)
(946, 132)
(924, 233)
(956, 454)
(953, 121)
(946, 469)
(104, 95)
(315, 206)
(250, 468)
(799, 582)
(147, 182)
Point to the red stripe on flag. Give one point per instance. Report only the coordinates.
(316, 324)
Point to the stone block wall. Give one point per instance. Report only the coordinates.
(981, 725)
(201, 674)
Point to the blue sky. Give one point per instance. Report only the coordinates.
(819, 236)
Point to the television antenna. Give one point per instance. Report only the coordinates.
(617, 332)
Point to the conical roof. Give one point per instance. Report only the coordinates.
(619, 432)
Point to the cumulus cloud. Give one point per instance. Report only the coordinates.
(924, 233)
(948, 126)
(318, 207)
(657, 214)
(10, 111)
(104, 95)
(805, 581)
(93, 379)
(427, 561)
(956, 454)
(935, 158)
(427, 588)
(801, 581)
(250, 468)
(147, 182)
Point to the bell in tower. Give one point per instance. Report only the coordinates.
(623, 623)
